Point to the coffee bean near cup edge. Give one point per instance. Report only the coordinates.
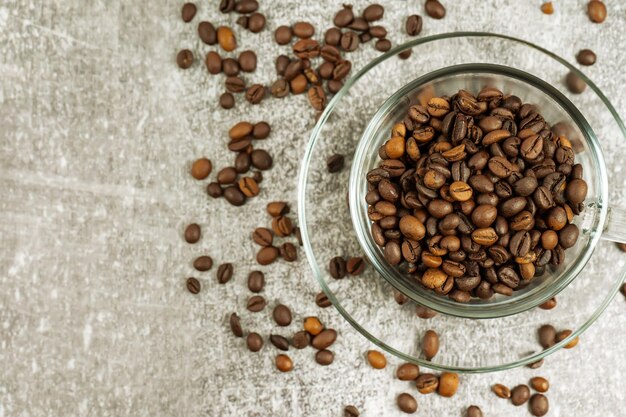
(470, 201)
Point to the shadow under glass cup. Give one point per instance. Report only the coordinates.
(557, 110)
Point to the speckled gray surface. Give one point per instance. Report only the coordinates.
(99, 127)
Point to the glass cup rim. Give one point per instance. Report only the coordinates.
(507, 305)
(303, 216)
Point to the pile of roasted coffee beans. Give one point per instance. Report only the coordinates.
(538, 404)
(281, 227)
(475, 195)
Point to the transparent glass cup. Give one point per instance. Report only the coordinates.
(558, 111)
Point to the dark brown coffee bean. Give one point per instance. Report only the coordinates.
(255, 93)
(234, 196)
(406, 54)
(208, 34)
(337, 267)
(224, 273)
(188, 12)
(254, 341)
(227, 101)
(267, 255)
(192, 233)
(344, 16)
(303, 30)
(203, 263)
(322, 300)
(474, 411)
(282, 315)
(407, 403)
(227, 6)
(373, 12)
(568, 236)
(288, 252)
(242, 162)
(280, 88)
(247, 61)
(262, 236)
(213, 62)
(246, 6)
(256, 303)
(324, 357)
(434, 9)
(214, 190)
(242, 21)
(596, 11)
(350, 411)
(349, 41)
(520, 394)
(341, 69)
(547, 336)
(256, 281)
(574, 83)
(184, 59)
(413, 25)
(193, 285)
(261, 159)
(235, 325)
(283, 35)
(539, 404)
(301, 339)
(430, 344)
(230, 67)
(227, 175)
(334, 163)
(359, 24)
(586, 57)
(256, 22)
(280, 342)
(355, 266)
(383, 45)
(378, 32)
(324, 339)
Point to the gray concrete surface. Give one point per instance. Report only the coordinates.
(99, 127)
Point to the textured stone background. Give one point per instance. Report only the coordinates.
(99, 127)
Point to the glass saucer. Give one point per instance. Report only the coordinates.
(367, 301)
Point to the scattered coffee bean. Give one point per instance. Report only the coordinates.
(355, 266)
(337, 267)
(424, 312)
(350, 411)
(282, 226)
(322, 300)
(256, 303)
(247, 61)
(282, 315)
(226, 38)
(324, 357)
(430, 344)
(280, 88)
(448, 384)
(536, 364)
(407, 403)
(564, 334)
(201, 168)
(242, 162)
(288, 252)
(332, 37)
(427, 383)
(539, 384)
(248, 187)
(267, 255)
(207, 33)
(547, 336)
(277, 208)
(520, 394)
(539, 405)
(227, 6)
(254, 341)
(413, 25)
(474, 411)
(263, 236)
(193, 285)
(214, 190)
(256, 281)
(283, 35)
(574, 83)
(324, 339)
(213, 62)
(192, 233)
(188, 12)
(234, 196)
(335, 163)
(280, 342)
(301, 339)
(547, 8)
(313, 325)
(501, 391)
(344, 16)
(349, 41)
(261, 159)
(184, 59)
(373, 12)
(261, 130)
(407, 372)
(227, 175)
(406, 54)
(256, 22)
(383, 45)
(235, 325)
(242, 21)
(596, 11)
(227, 101)
(255, 93)
(224, 273)
(586, 57)
(435, 9)
(317, 97)
(303, 30)
(376, 359)
(284, 363)
(548, 305)
(246, 6)
(203, 263)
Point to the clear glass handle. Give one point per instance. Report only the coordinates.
(615, 225)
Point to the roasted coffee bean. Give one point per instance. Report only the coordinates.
(282, 226)
(280, 88)
(574, 83)
(564, 334)
(280, 342)
(324, 339)
(324, 357)
(343, 17)
(378, 32)
(254, 341)
(547, 336)
(341, 69)
(303, 30)
(248, 187)
(224, 273)
(256, 303)
(376, 359)
(350, 411)
(284, 363)
(192, 233)
(317, 97)
(520, 394)
(242, 162)
(184, 59)
(586, 57)
(207, 33)
(413, 25)
(427, 383)
(430, 344)
(322, 300)
(301, 339)
(474, 411)
(434, 9)
(596, 11)
(262, 236)
(267, 255)
(234, 196)
(359, 24)
(261, 159)
(355, 266)
(383, 45)
(255, 93)
(448, 384)
(188, 12)
(213, 62)
(214, 190)
(349, 41)
(406, 403)
(277, 208)
(407, 372)
(539, 404)
(203, 263)
(299, 84)
(226, 38)
(247, 61)
(256, 281)
(256, 22)
(337, 267)
(536, 364)
(242, 21)
(201, 168)
(235, 325)
(283, 35)
(227, 101)
(501, 391)
(282, 315)
(193, 285)
(539, 384)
